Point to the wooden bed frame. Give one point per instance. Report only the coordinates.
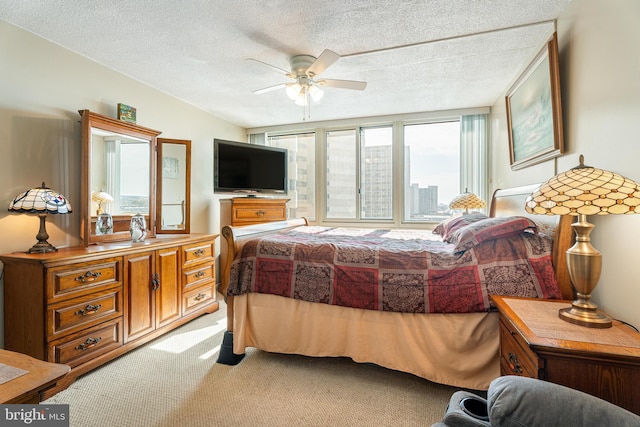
(506, 202)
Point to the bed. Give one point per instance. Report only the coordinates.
(434, 338)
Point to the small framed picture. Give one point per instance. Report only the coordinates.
(170, 167)
(126, 113)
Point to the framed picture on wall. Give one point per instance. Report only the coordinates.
(170, 167)
(534, 111)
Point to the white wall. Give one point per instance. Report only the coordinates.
(599, 45)
(42, 87)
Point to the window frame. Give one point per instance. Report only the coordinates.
(397, 122)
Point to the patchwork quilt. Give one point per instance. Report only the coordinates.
(394, 270)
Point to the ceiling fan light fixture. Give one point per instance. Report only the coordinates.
(302, 99)
(316, 93)
(305, 90)
(293, 90)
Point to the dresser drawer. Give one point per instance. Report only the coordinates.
(516, 358)
(258, 214)
(198, 276)
(196, 298)
(84, 278)
(80, 313)
(84, 346)
(197, 253)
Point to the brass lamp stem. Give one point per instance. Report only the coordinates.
(585, 265)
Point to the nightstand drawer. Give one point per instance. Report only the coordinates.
(515, 356)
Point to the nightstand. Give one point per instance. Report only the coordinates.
(535, 342)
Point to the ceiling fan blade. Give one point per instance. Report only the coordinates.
(343, 84)
(270, 88)
(278, 69)
(323, 62)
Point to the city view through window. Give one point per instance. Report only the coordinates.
(359, 177)
(432, 169)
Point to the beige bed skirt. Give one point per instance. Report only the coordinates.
(460, 350)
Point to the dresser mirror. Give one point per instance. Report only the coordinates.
(173, 186)
(118, 178)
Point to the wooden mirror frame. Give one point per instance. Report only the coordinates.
(121, 223)
(184, 166)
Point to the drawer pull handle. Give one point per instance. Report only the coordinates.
(89, 309)
(200, 297)
(199, 274)
(89, 343)
(89, 276)
(261, 213)
(514, 364)
(199, 252)
(155, 281)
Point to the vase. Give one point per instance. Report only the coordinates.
(104, 224)
(138, 228)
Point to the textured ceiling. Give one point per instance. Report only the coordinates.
(415, 55)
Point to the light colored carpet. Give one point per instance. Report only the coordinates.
(174, 381)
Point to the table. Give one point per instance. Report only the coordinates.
(39, 377)
(536, 343)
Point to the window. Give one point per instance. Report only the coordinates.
(342, 185)
(360, 174)
(431, 169)
(301, 171)
(399, 172)
(376, 173)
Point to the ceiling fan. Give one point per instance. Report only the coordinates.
(305, 70)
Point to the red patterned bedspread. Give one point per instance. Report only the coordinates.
(393, 270)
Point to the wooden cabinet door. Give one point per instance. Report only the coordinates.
(139, 295)
(167, 298)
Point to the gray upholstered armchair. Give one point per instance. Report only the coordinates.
(526, 402)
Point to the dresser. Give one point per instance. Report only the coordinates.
(85, 306)
(240, 211)
(536, 343)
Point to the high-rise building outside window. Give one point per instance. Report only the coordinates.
(431, 169)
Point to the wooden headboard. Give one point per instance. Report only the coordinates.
(509, 202)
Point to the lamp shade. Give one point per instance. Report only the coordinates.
(101, 197)
(316, 93)
(293, 90)
(40, 200)
(585, 190)
(467, 201)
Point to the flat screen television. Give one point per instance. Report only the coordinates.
(248, 169)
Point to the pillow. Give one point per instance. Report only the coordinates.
(448, 227)
(490, 229)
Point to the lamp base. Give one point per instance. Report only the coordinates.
(585, 316)
(42, 247)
